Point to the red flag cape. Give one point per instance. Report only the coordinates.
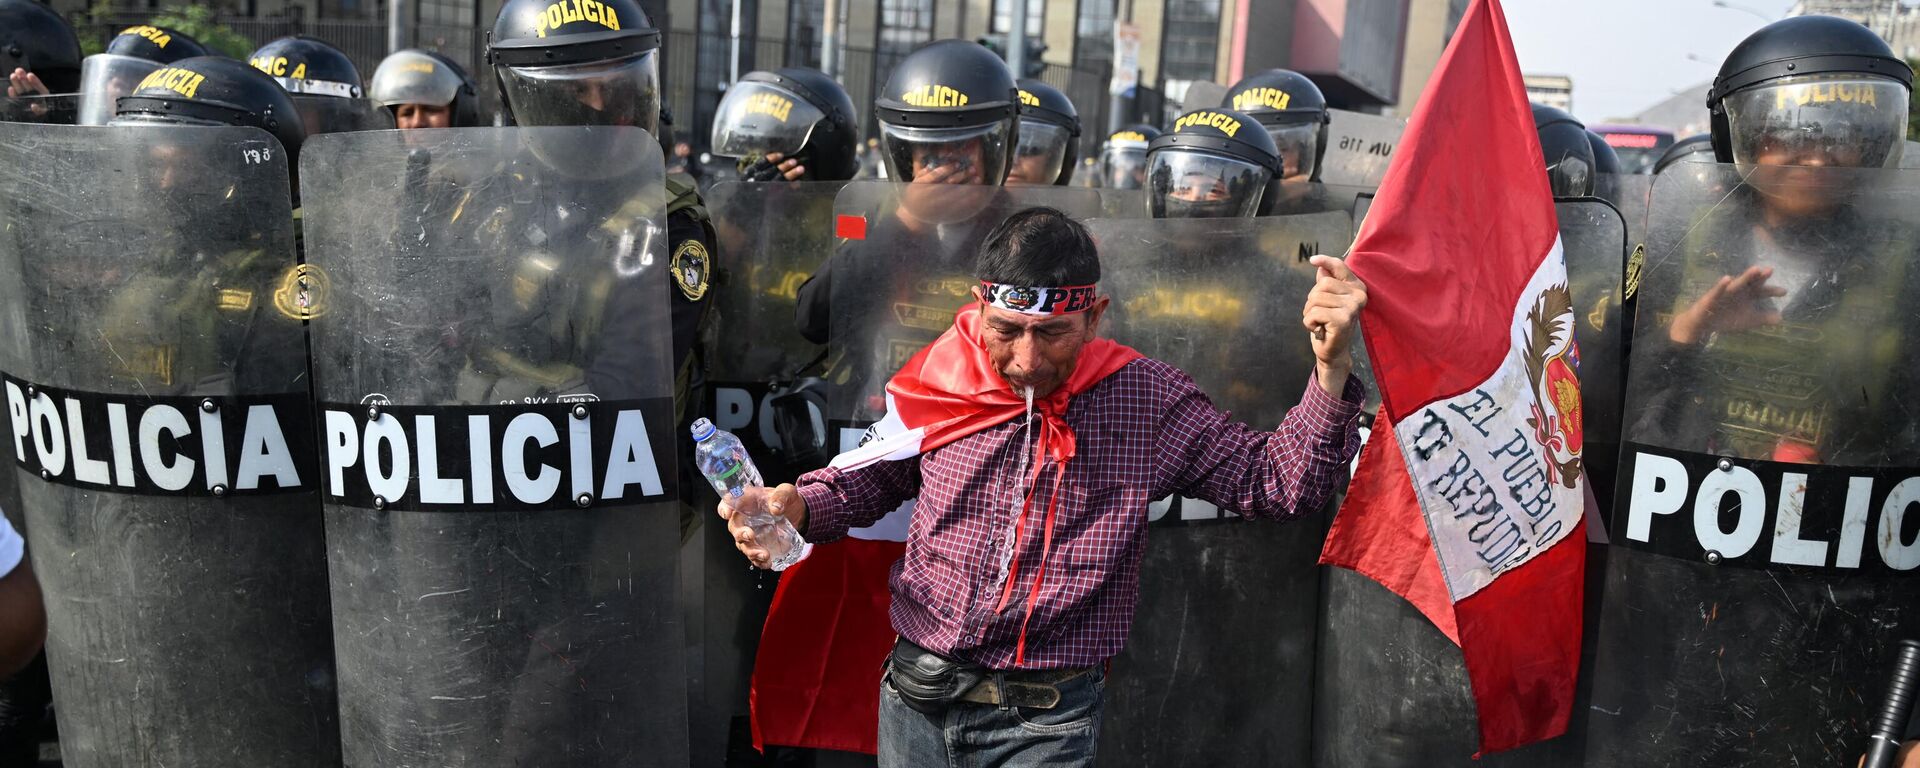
(1468, 495)
(816, 679)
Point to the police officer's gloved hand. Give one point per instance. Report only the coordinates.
(773, 167)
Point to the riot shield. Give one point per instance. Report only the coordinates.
(1765, 536)
(49, 109)
(903, 268)
(154, 371)
(493, 367)
(1393, 691)
(763, 386)
(1221, 300)
(1359, 147)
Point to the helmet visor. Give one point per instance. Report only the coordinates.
(332, 114)
(1844, 120)
(411, 77)
(617, 92)
(1124, 165)
(1191, 184)
(104, 78)
(1299, 145)
(974, 154)
(758, 119)
(1039, 154)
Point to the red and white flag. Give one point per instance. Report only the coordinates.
(1468, 497)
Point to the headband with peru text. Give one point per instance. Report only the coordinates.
(1034, 300)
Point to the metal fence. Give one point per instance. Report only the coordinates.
(694, 66)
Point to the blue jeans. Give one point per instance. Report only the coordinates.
(972, 735)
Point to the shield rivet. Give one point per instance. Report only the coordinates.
(1713, 557)
(1725, 465)
(32, 392)
(45, 475)
(208, 405)
(219, 491)
(583, 500)
(373, 413)
(579, 411)
(379, 502)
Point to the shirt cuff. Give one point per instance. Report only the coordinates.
(1344, 408)
(824, 521)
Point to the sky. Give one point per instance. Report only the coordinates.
(1627, 55)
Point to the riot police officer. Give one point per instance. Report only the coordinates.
(1569, 153)
(214, 90)
(1696, 148)
(1123, 161)
(1213, 164)
(600, 66)
(41, 56)
(1606, 168)
(948, 116)
(323, 81)
(1293, 111)
(1049, 145)
(130, 56)
(423, 89)
(792, 123)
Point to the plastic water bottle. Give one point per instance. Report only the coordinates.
(725, 463)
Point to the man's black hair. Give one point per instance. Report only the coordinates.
(1039, 247)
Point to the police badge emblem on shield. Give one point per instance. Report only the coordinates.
(692, 269)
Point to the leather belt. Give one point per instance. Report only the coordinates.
(1034, 690)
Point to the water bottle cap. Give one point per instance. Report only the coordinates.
(702, 429)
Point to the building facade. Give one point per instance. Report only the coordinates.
(1361, 52)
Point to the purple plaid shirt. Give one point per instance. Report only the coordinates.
(1143, 433)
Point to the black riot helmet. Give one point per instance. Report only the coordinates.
(34, 38)
(1215, 163)
(215, 90)
(1692, 149)
(129, 58)
(1049, 143)
(1123, 160)
(796, 112)
(577, 62)
(1569, 155)
(416, 76)
(1811, 90)
(1294, 112)
(322, 80)
(949, 110)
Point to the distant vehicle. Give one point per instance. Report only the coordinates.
(1639, 146)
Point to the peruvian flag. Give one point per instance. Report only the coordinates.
(1468, 501)
(816, 678)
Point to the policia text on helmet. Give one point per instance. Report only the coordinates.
(785, 121)
(1215, 163)
(323, 81)
(1293, 111)
(132, 54)
(1814, 91)
(949, 115)
(214, 90)
(577, 62)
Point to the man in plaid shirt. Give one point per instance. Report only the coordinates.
(1034, 447)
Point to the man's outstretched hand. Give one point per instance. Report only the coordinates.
(783, 500)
